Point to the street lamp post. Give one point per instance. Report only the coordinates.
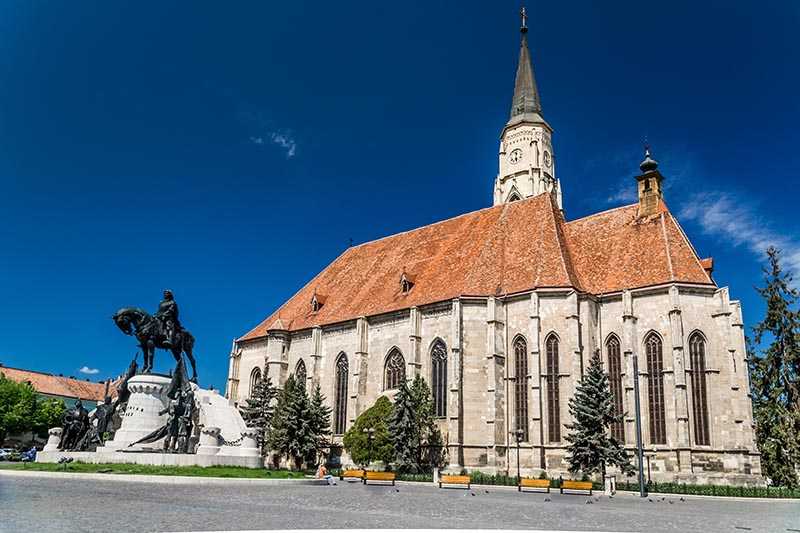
(370, 433)
(519, 434)
(639, 448)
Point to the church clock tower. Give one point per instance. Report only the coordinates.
(527, 164)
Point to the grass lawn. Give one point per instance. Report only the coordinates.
(211, 471)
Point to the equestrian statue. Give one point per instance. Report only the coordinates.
(162, 330)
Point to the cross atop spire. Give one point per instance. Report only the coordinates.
(523, 15)
(526, 94)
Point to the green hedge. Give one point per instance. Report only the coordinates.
(712, 490)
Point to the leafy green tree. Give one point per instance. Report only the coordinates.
(258, 410)
(49, 414)
(356, 441)
(591, 446)
(291, 434)
(775, 377)
(17, 407)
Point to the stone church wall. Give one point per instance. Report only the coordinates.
(479, 334)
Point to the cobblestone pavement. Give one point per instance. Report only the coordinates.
(53, 504)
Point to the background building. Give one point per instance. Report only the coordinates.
(67, 389)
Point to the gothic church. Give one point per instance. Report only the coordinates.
(500, 310)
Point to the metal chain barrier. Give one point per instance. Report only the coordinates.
(237, 442)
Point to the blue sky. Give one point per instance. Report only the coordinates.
(229, 151)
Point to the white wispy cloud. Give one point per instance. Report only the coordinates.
(739, 222)
(624, 193)
(86, 370)
(286, 141)
(282, 139)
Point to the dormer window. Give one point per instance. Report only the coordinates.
(317, 301)
(406, 283)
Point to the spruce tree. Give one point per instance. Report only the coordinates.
(291, 434)
(431, 451)
(775, 377)
(258, 410)
(591, 446)
(404, 431)
(320, 414)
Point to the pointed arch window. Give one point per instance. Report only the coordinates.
(340, 395)
(655, 389)
(300, 373)
(255, 379)
(514, 197)
(697, 356)
(615, 382)
(439, 377)
(395, 370)
(521, 387)
(553, 406)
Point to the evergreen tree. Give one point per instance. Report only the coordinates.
(320, 422)
(431, 451)
(356, 441)
(591, 446)
(775, 377)
(258, 410)
(404, 431)
(291, 434)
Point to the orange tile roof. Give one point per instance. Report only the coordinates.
(503, 249)
(57, 385)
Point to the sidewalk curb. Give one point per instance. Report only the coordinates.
(165, 479)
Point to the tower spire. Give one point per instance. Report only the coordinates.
(526, 94)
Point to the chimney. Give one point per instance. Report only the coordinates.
(649, 185)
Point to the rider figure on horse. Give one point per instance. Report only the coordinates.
(167, 315)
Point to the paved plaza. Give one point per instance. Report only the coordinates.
(50, 503)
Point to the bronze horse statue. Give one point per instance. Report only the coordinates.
(148, 331)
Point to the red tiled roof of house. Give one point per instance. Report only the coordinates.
(57, 385)
(503, 249)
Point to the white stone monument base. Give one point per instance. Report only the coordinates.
(224, 439)
(153, 459)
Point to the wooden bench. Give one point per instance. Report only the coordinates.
(379, 476)
(576, 485)
(527, 483)
(358, 474)
(455, 480)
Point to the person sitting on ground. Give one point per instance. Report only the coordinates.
(322, 473)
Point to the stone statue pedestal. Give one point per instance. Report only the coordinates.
(225, 439)
(148, 398)
(53, 440)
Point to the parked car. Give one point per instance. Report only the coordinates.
(5, 453)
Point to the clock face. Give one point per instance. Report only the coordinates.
(547, 161)
(515, 156)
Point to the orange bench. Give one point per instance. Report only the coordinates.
(576, 485)
(455, 480)
(379, 476)
(527, 483)
(358, 474)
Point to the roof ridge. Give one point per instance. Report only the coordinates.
(276, 313)
(562, 246)
(489, 208)
(618, 208)
(667, 248)
(52, 375)
(689, 242)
